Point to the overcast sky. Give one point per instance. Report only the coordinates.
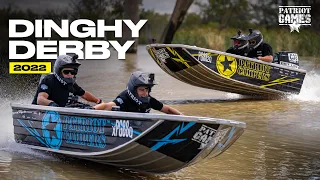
(160, 6)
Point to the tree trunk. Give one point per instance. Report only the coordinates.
(176, 19)
(131, 11)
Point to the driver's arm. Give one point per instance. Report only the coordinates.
(105, 106)
(42, 99)
(170, 110)
(90, 97)
(268, 58)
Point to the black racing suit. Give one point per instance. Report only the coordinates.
(240, 52)
(59, 93)
(264, 49)
(128, 105)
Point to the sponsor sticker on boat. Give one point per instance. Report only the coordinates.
(204, 135)
(289, 64)
(220, 135)
(161, 54)
(226, 65)
(293, 57)
(204, 57)
(122, 128)
(254, 70)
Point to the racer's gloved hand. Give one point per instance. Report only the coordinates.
(53, 104)
(99, 101)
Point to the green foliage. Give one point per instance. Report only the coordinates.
(97, 9)
(154, 27)
(191, 20)
(245, 13)
(305, 43)
(225, 12)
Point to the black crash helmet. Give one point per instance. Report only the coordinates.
(239, 41)
(65, 61)
(255, 38)
(137, 79)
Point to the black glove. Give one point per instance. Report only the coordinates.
(100, 101)
(115, 108)
(53, 104)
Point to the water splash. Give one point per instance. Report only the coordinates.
(310, 90)
(7, 142)
(15, 148)
(234, 96)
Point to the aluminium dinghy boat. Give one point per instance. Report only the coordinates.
(147, 142)
(228, 72)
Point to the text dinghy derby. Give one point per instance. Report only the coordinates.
(50, 49)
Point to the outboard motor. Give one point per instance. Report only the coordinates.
(287, 58)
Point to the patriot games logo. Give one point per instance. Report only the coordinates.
(294, 16)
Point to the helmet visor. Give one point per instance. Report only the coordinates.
(71, 71)
(252, 42)
(236, 42)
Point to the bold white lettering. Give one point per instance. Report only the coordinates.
(38, 31)
(41, 49)
(135, 28)
(13, 49)
(121, 49)
(78, 46)
(281, 18)
(49, 25)
(89, 31)
(280, 10)
(103, 47)
(308, 18)
(13, 28)
(117, 28)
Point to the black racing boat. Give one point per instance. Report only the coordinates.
(227, 72)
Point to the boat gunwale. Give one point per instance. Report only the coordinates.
(223, 53)
(131, 115)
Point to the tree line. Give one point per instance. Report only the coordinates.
(219, 15)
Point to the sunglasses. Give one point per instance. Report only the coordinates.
(252, 42)
(66, 71)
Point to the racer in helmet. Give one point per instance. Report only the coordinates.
(240, 45)
(137, 98)
(258, 48)
(66, 62)
(60, 88)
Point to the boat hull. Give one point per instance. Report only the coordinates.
(226, 72)
(152, 143)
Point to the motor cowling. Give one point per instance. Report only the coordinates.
(287, 58)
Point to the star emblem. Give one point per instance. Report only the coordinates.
(294, 27)
(226, 64)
